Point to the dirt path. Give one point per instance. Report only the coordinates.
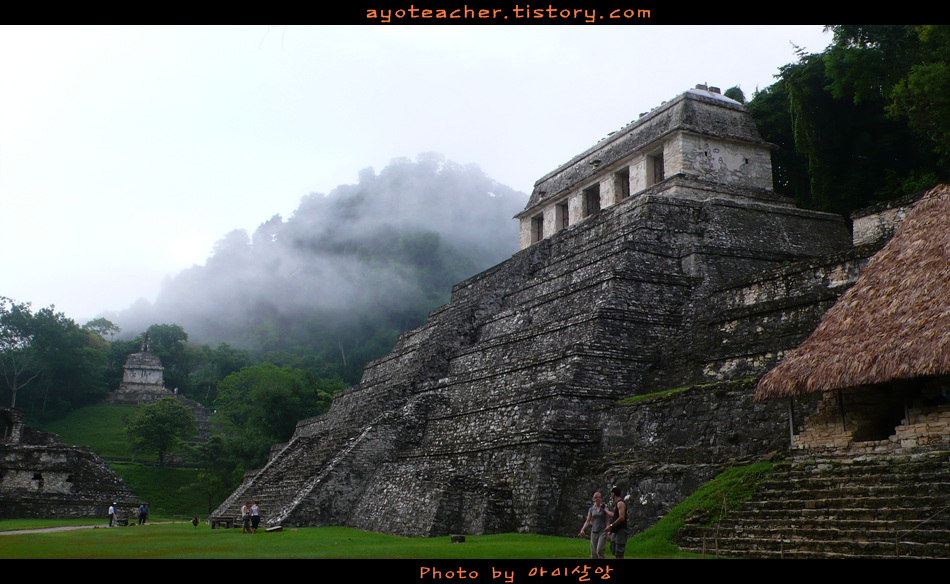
(51, 529)
(66, 528)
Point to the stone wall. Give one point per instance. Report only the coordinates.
(879, 222)
(749, 324)
(659, 448)
(927, 425)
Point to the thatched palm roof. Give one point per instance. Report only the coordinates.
(894, 323)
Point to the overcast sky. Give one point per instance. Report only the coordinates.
(126, 152)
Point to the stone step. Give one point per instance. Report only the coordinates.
(856, 504)
(859, 543)
(896, 473)
(818, 549)
(850, 532)
(926, 482)
(838, 507)
(898, 519)
(843, 477)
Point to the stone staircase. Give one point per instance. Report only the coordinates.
(855, 505)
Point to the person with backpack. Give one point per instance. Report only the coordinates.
(617, 526)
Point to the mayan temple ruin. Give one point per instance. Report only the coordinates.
(659, 277)
(142, 378)
(42, 477)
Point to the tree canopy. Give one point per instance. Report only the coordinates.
(260, 405)
(865, 121)
(160, 427)
(49, 359)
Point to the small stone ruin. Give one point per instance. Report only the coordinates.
(43, 478)
(142, 378)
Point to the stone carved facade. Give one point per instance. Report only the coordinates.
(41, 477)
(501, 412)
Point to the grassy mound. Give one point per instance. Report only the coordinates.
(171, 491)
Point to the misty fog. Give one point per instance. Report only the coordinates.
(365, 260)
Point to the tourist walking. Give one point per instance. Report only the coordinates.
(143, 513)
(597, 518)
(617, 525)
(112, 518)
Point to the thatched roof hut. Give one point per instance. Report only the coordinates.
(894, 323)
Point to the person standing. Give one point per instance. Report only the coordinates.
(255, 517)
(617, 526)
(246, 517)
(112, 518)
(597, 518)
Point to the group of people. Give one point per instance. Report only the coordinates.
(114, 514)
(607, 525)
(250, 517)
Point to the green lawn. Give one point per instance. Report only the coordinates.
(182, 540)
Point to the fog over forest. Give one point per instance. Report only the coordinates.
(354, 267)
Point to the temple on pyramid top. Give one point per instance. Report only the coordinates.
(698, 145)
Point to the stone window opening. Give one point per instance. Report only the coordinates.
(655, 171)
(622, 184)
(537, 228)
(591, 200)
(562, 216)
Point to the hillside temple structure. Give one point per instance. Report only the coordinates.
(660, 275)
(142, 378)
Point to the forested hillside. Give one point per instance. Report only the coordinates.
(347, 272)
